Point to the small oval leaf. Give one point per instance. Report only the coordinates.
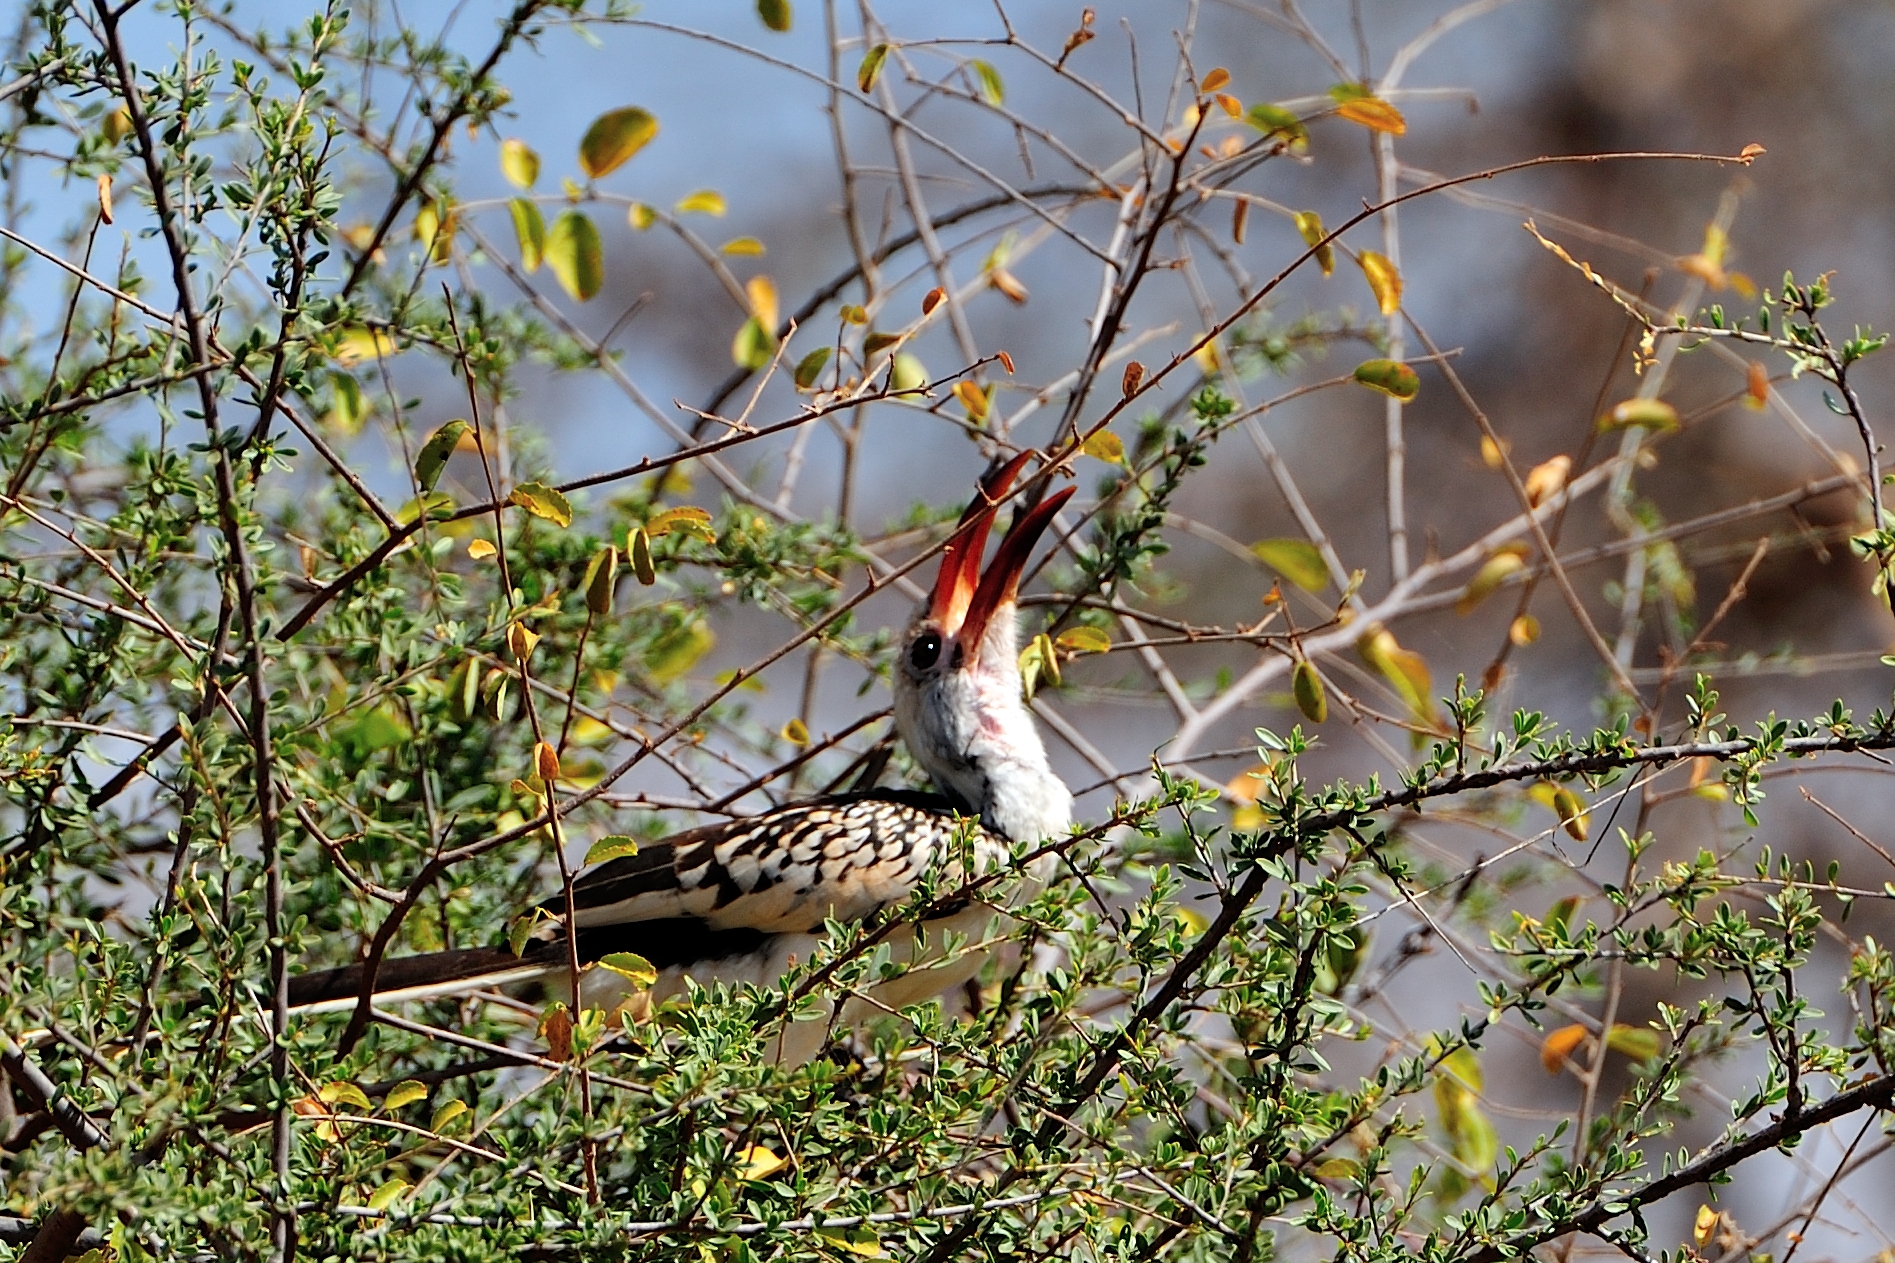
(529, 228)
(1559, 1046)
(1310, 226)
(1307, 687)
(407, 1092)
(1297, 560)
(639, 548)
(1105, 446)
(753, 346)
(871, 67)
(574, 253)
(775, 14)
(1385, 280)
(542, 501)
(519, 163)
(632, 966)
(613, 138)
(434, 453)
(703, 202)
(1652, 414)
(602, 580)
(1391, 377)
(1078, 640)
(615, 847)
(810, 367)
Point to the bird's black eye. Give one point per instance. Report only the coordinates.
(925, 651)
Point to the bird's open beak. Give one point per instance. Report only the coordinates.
(965, 599)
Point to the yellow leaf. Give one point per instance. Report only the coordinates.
(761, 291)
(1640, 1043)
(574, 253)
(1216, 78)
(972, 398)
(1105, 446)
(542, 501)
(631, 966)
(1524, 630)
(1375, 114)
(587, 731)
(1297, 560)
(446, 1114)
(1230, 105)
(1544, 480)
(481, 549)
(1310, 226)
(686, 517)
(1246, 785)
(529, 229)
(1653, 414)
(1492, 454)
(641, 216)
(704, 201)
(1571, 810)
(1385, 281)
(614, 847)
(744, 247)
(356, 345)
(859, 1241)
(1307, 687)
(1405, 671)
(613, 138)
(754, 1162)
(1558, 1046)
(1493, 572)
(1390, 377)
(987, 79)
(519, 163)
(796, 732)
(1078, 640)
(343, 1093)
(677, 651)
(1703, 1226)
(407, 1092)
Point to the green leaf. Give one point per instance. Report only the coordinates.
(386, 1195)
(638, 548)
(677, 651)
(632, 966)
(992, 90)
(907, 374)
(529, 228)
(1652, 414)
(871, 67)
(775, 14)
(810, 367)
(613, 138)
(1077, 640)
(519, 163)
(407, 1092)
(614, 847)
(601, 578)
(542, 501)
(685, 517)
(1277, 123)
(1307, 687)
(1297, 560)
(753, 346)
(575, 255)
(1391, 377)
(434, 453)
(859, 1241)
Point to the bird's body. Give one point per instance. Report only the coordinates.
(742, 901)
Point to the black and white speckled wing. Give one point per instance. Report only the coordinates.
(784, 871)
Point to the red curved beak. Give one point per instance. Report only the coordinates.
(965, 599)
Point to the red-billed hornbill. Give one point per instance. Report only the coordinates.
(741, 901)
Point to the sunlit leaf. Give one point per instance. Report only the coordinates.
(987, 78)
(640, 216)
(631, 966)
(907, 374)
(1277, 123)
(355, 345)
(743, 248)
(703, 202)
(1390, 377)
(542, 501)
(463, 691)
(1309, 225)
(775, 14)
(1560, 1045)
(761, 291)
(1385, 281)
(1571, 810)
(853, 315)
(519, 163)
(575, 255)
(685, 517)
(350, 410)
(615, 847)
(1640, 1043)
(1214, 79)
(1524, 630)
(1756, 386)
(344, 1093)
(1653, 414)
(1105, 446)
(753, 346)
(1375, 114)
(1078, 640)
(638, 549)
(973, 399)
(675, 652)
(613, 138)
(1545, 480)
(871, 67)
(796, 732)
(407, 1092)
(1405, 671)
(1297, 560)
(529, 228)
(481, 549)
(1494, 454)
(1493, 572)
(1704, 1225)
(859, 1241)
(754, 1162)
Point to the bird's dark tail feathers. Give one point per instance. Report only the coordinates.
(424, 976)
